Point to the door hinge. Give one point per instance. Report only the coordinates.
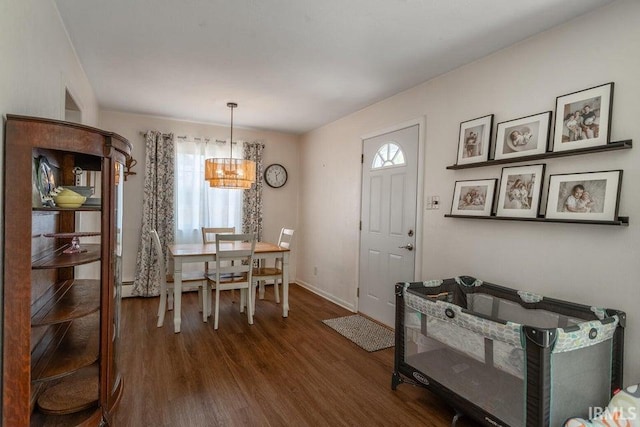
(360, 225)
(362, 158)
(357, 292)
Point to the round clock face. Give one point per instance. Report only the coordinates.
(275, 175)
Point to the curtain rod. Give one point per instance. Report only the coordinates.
(184, 137)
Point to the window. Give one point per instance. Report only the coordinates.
(388, 155)
(198, 205)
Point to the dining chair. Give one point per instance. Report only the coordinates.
(275, 273)
(233, 271)
(209, 236)
(166, 280)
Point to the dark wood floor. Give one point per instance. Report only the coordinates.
(277, 372)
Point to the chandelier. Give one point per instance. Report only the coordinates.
(230, 172)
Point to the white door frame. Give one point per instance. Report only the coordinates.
(421, 122)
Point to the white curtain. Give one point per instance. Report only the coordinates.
(198, 205)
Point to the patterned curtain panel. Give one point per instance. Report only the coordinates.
(157, 211)
(252, 198)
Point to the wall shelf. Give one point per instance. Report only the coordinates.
(612, 146)
(621, 221)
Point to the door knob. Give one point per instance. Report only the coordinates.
(408, 247)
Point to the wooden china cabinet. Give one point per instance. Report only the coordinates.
(61, 307)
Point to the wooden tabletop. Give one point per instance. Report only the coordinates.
(190, 249)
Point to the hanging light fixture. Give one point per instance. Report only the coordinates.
(230, 172)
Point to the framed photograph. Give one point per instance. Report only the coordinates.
(584, 196)
(520, 190)
(474, 140)
(473, 197)
(523, 137)
(583, 118)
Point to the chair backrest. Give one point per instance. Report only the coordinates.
(286, 236)
(230, 258)
(209, 233)
(157, 246)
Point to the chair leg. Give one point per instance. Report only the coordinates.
(216, 309)
(243, 300)
(250, 297)
(162, 308)
(261, 289)
(170, 299)
(203, 299)
(252, 291)
(276, 291)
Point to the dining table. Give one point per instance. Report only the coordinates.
(183, 253)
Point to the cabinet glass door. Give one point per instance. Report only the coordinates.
(117, 275)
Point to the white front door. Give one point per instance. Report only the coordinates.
(388, 230)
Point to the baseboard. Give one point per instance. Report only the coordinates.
(127, 289)
(327, 296)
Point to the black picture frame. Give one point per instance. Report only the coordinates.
(566, 196)
(474, 140)
(474, 197)
(524, 136)
(520, 191)
(575, 126)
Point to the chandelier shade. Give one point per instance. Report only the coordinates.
(230, 172)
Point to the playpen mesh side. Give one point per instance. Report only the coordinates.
(581, 363)
(479, 360)
(500, 308)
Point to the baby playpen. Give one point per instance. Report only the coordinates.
(506, 357)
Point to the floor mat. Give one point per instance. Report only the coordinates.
(365, 333)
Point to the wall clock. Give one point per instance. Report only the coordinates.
(275, 175)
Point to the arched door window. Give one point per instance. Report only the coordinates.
(388, 155)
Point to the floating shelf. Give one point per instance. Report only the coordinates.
(612, 146)
(621, 221)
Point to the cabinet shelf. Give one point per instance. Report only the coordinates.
(67, 300)
(612, 146)
(58, 259)
(72, 394)
(66, 348)
(621, 221)
(88, 417)
(80, 209)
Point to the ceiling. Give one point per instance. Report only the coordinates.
(291, 65)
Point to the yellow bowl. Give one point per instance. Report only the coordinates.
(69, 201)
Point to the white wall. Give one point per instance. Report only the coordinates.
(589, 264)
(37, 62)
(280, 205)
